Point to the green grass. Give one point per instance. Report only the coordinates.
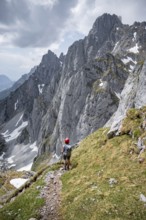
(87, 194)
(5, 186)
(41, 161)
(25, 205)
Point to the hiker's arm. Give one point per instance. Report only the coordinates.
(75, 145)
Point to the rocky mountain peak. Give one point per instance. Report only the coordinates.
(62, 57)
(49, 59)
(101, 38)
(105, 23)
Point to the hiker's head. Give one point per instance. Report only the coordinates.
(66, 140)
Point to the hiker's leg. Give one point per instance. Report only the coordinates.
(68, 163)
(65, 162)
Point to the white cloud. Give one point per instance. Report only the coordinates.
(48, 3)
(83, 16)
(19, 61)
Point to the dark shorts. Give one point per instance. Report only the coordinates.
(65, 157)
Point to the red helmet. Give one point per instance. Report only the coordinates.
(66, 140)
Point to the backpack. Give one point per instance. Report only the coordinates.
(67, 150)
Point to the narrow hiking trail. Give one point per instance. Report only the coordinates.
(51, 194)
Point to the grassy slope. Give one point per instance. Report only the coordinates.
(27, 204)
(5, 178)
(87, 193)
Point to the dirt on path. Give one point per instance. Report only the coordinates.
(51, 194)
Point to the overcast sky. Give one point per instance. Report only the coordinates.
(28, 28)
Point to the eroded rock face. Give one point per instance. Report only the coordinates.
(132, 96)
(22, 111)
(84, 101)
(140, 98)
(77, 93)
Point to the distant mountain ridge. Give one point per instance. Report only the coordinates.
(5, 82)
(15, 85)
(75, 94)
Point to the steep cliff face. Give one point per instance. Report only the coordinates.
(132, 96)
(132, 50)
(75, 94)
(22, 111)
(84, 101)
(89, 86)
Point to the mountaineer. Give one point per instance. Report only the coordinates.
(66, 151)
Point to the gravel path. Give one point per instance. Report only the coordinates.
(51, 193)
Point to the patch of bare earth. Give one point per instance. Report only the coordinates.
(51, 193)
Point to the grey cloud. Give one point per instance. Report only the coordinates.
(13, 10)
(133, 10)
(34, 25)
(5, 13)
